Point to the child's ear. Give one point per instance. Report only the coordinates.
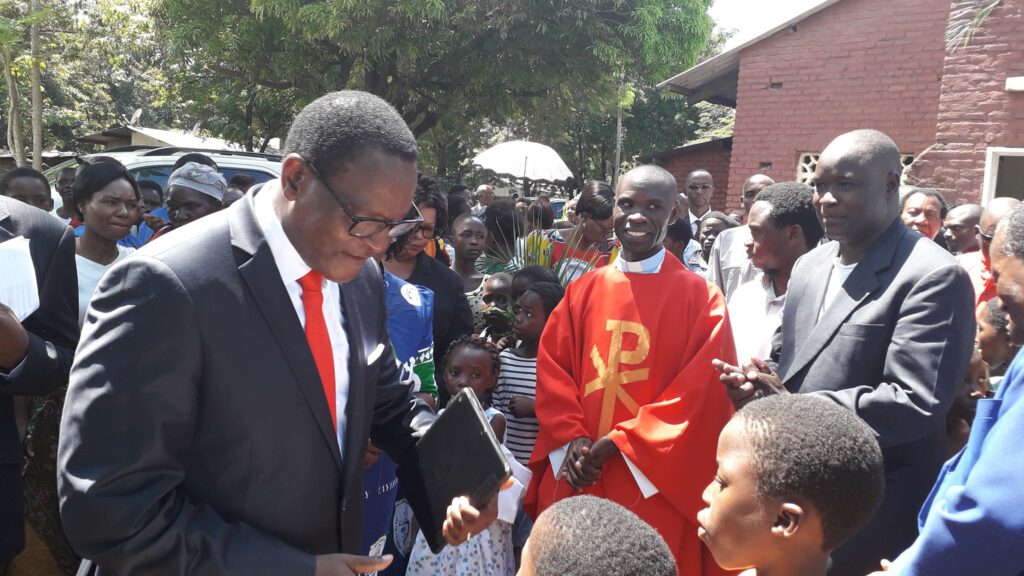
(788, 520)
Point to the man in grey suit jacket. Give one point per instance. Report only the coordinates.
(880, 321)
(197, 435)
(35, 356)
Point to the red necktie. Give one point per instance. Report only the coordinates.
(318, 337)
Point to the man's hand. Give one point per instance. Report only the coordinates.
(522, 407)
(754, 380)
(13, 339)
(575, 469)
(599, 453)
(154, 222)
(347, 564)
(464, 519)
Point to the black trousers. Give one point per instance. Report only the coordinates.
(12, 514)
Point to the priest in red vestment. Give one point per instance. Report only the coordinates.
(629, 405)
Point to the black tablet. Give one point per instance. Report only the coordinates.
(458, 456)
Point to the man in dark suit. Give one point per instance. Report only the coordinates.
(35, 356)
(880, 321)
(222, 398)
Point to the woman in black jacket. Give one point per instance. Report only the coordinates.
(407, 260)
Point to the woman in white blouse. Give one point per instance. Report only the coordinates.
(107, 198)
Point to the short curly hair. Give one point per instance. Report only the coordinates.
(336, 128)
(811, 449)
(590, 536)
(477, 342)
(793, 203)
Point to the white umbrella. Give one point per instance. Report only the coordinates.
(523, 159)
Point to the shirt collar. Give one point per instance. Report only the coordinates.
(695, 218)
(289, 263)
(650, 265)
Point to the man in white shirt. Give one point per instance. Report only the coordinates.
(783, 227)
(728, 264)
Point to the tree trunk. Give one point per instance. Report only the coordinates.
(250, 105)
(13, 114)
(37, 93)
(442, 159)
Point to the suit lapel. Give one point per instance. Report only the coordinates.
(356, 371)
(861, 283)
(5, 232)
(260, 273)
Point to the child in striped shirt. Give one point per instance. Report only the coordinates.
(517, 383)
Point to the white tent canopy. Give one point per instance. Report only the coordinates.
(523, 159)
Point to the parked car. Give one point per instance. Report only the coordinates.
(157, 163)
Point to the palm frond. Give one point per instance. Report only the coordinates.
(511, 255)
(965, 19)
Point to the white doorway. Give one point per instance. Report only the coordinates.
(1004, 174)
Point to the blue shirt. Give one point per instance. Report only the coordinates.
(973, 521)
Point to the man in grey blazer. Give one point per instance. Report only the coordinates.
(198, 435)
(880, 321)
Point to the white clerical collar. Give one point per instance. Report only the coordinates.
(289, 263)
(650, 265)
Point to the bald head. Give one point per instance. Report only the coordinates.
(871, 146)
(650, 178)
(997, 210)
(959, 228)
(856, 190)
(751, 188)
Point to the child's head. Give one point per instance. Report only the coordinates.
(474, 363)
(797, 476)
(527, 276)
(497, 292)
(590, 536)
(994, 335)
(533, 308)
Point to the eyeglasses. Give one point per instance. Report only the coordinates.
(696, 187)
(986, 237)
(426, 231)
(367, 226)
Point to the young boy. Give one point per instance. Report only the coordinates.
(797, 476)
(590, 536)
(495, 301)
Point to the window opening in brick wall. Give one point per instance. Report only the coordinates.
(906, 160)
(808, 163)
(805, 167)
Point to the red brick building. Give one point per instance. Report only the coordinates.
(710, 155)
(848, 64)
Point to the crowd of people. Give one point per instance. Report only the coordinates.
(224, 377)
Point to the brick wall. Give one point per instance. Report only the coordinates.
(857, 64)
(975, 111)
(714, 158)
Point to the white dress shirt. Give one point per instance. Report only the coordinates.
(291, 267)
(651, 265)
(695, 221)
(756, 313)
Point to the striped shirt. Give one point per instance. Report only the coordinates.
(518, 378)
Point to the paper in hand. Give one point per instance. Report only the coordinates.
(18, 289)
